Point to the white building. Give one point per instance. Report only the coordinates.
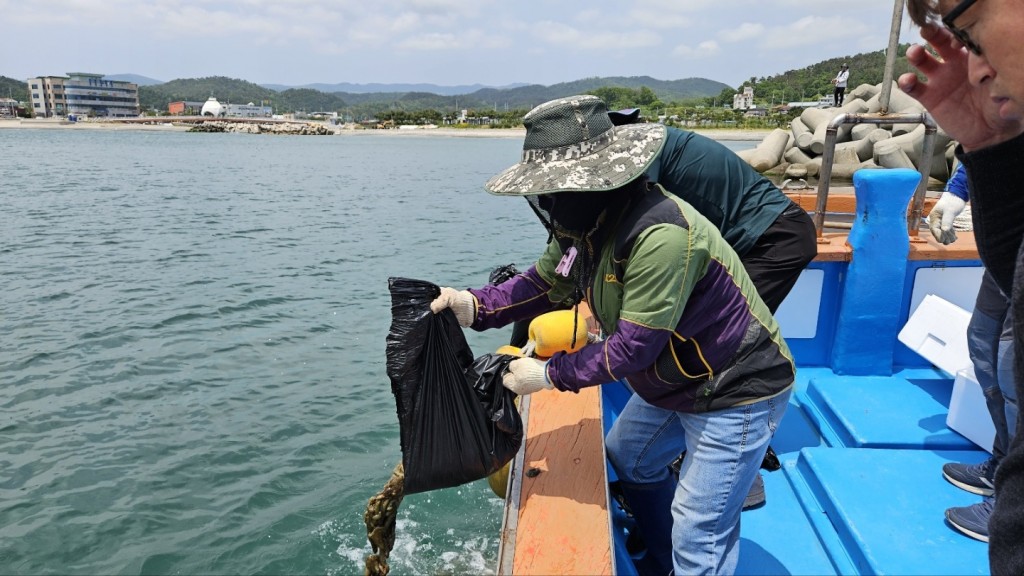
(8, 107)
(743, 100)
(249, 110)
(84, 94)
(214, 108)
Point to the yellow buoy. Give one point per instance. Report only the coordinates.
(498, 481)
(553, 332)
(510, 350)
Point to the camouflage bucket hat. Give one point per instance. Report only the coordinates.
(572, 146)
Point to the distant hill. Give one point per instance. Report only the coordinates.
(134, 79)
(517, 94)
(390, 88)
(362, 101)
(230, 90)
(370, 104)
(666, 90)
(815, 80)
(11, 88)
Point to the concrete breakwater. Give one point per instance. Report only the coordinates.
(797, 152)
(290, 128)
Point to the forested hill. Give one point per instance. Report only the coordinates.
(230, 90)
(11, 88)
(665, 90)
(803, 84)
(523, 97)
(815, 80)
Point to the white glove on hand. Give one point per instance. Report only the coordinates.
(526, 376)
(462, 303)
(940, 219)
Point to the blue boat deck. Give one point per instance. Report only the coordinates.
(862, 460)
(861, 488)
(864, 439)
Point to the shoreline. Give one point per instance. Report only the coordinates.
(49, 124)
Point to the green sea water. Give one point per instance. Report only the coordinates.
(192, 332)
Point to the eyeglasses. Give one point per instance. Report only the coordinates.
(961, 35)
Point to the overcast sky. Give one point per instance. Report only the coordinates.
(444, 42)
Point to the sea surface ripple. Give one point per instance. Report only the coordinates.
(192, 339)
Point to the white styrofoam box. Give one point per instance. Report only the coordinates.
(968, 412)
(937, 330)
(956, 284)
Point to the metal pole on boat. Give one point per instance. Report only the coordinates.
(828, 156)
(825, 175)
(890, 56)
(925, 167)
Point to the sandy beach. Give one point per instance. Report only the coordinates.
(168, 126)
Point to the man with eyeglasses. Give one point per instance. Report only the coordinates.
(974, 89)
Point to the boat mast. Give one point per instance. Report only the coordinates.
(890, 55)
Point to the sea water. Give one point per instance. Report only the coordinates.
(192, 345)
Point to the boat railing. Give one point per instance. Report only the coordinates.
(513, 491)
(924, 162)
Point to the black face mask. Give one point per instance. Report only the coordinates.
(577, 214)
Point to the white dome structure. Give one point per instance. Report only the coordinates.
(213, 108)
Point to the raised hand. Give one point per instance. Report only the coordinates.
(957, 91)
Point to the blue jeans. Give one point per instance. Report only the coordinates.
(724, 450)
(990, 343)
(1007, 379)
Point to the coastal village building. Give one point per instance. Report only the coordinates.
(84, 94)
(743, 100)
(8, 108)
(214, 108)
(184, 108)
(249, 110)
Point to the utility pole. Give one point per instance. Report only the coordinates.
(890, 56)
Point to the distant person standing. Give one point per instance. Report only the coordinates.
(840, 81)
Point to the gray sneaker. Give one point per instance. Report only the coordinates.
(755, 498)
(972, 520)
(975, 478)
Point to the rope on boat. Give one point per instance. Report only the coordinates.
(963, 220)
(380, 517)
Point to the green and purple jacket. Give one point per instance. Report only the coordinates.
(684, 325)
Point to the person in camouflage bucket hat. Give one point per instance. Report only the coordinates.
(682, 324)
(572, 146)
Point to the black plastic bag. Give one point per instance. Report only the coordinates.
(457, 422)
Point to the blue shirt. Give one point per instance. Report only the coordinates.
(957, 183)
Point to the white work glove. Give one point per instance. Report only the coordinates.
(462, 303)
(940, 219)
(526, 376)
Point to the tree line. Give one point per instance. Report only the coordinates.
(691, 100)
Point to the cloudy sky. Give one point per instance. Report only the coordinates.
(444, 42)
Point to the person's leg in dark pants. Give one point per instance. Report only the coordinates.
(774, 264)
(775, 261)
(838, 95)
(990, 344)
